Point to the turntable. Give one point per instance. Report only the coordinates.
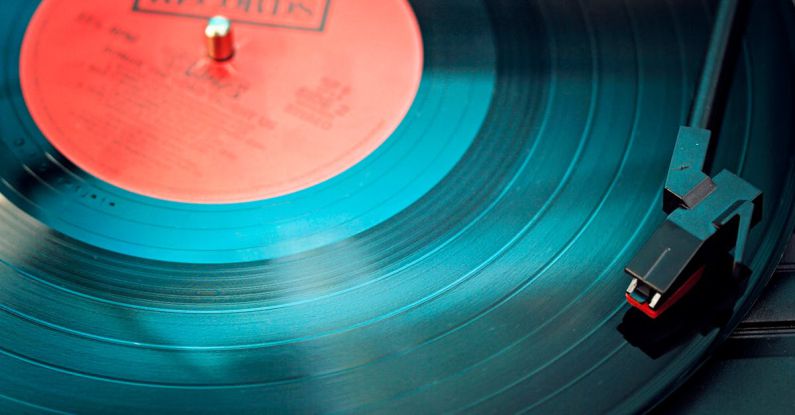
(404, 205)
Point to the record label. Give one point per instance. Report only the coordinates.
(125, 91)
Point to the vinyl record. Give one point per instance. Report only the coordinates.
(468, 258)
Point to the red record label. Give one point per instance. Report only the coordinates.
(125, 90)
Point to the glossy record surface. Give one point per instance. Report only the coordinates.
(501, 289)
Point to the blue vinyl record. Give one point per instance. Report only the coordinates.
(472, 263)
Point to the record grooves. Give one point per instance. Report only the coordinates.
(473, 262)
